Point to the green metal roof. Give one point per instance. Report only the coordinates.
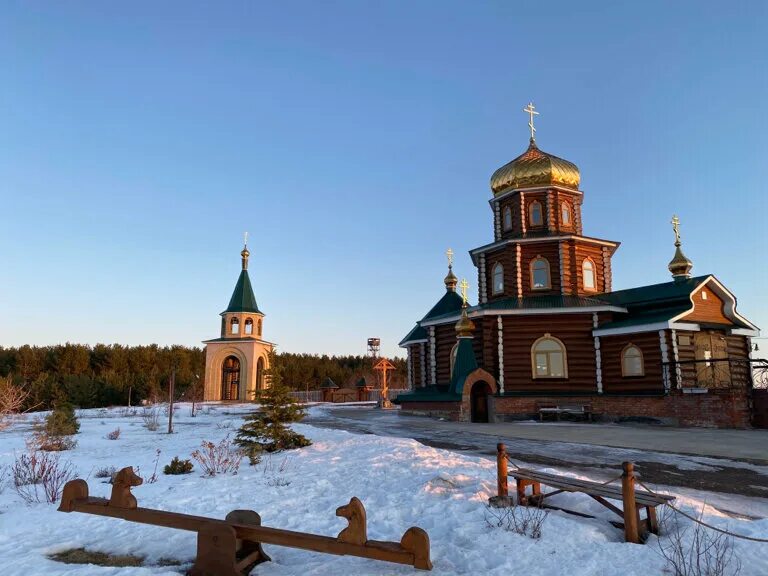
(243, 299)
(655, 294)
(539, 302)
(450, 302)
(463, 366)
(418, 333)
(428, 394)
(328, 383)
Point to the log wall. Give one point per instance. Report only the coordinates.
(611, 348)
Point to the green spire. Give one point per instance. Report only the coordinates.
(243, 299)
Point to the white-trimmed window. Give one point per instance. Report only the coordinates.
(507, 218)
(497, 285)
(540, 273)
(588, 274)
(234, 326)
(249, 326)
(632, 361)
(548, 358)
(535, 217)
(565, 214)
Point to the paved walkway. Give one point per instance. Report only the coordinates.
(728, 461)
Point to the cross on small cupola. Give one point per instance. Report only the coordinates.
(531, 111)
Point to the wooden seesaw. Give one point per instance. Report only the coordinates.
(232, 547)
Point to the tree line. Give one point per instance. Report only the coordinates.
(105, 375)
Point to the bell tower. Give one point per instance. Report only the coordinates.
(236, 362)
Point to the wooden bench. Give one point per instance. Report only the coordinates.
(635, 529)
(232, 547)
(560, 409)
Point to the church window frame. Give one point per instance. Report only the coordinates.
(234, 325)
(632, 361)
(497, 278)
(507, 218)
(454, 353)
(538, 266)
(535, 214)
(248, 330)
(566, 215)
(549, 358)
(589, 270)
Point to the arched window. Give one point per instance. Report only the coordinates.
(234, 326)
(548, 358)
(540, 273)
(498, 279)
(534, 214)
(565, 214)
(507, 218)
(588, 274)
(260, 374)
(249, 326)
(632, 361)
(454, 351)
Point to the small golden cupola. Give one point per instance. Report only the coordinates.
(680, 265)
(464, 327)
(450, 278)
(534, 168)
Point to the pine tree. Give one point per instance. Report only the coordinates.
(267, 430)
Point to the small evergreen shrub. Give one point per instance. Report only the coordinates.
(62, 421)
(178, 466)
(267, 430)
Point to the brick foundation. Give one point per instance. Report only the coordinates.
(715, 409)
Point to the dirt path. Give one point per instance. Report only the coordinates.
(740, 476)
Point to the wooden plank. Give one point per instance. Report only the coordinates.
(608, 505)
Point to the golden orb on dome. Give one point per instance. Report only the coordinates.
(534, 168)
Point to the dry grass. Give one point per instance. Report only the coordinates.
(83, 556)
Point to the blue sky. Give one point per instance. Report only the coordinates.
(354, 141)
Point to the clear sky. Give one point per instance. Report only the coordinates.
(354, 141)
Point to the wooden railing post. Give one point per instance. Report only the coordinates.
(501, 470)
(630, 506)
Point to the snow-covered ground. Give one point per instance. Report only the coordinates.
(401, 482)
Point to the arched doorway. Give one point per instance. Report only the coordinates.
(230, 379)
(260, 374)
(478, 401)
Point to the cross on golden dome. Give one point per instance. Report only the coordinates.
(531, 111)
(449, 255)
(676, 229)
(464, 285)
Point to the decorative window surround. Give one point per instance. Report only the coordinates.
(501, 353)
(664, 357)
(598, 358)
(432, 359)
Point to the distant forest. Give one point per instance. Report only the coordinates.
(91, 377)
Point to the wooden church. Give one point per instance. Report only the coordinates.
(549, 336)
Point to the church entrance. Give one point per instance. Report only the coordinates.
(712, 366)
(478, 401)
(230, 379)
(260, 375)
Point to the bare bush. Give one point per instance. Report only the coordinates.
(152, 479)
(40, 476)
(523, 520)
(12, 399)
(106, 472)
(41, 440)
(221, 458)
(128, 412)
(3, 477)
(275, 475)
(114, 435)
(693, 550)
(151, 418)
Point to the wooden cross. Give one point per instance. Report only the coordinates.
(531, 111)
(449, 255)
(464, 285)
(384, 366)
(245, 239)
(676, 228)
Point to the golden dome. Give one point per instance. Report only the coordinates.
(535, 168)
(465, 326)
(450, 280)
